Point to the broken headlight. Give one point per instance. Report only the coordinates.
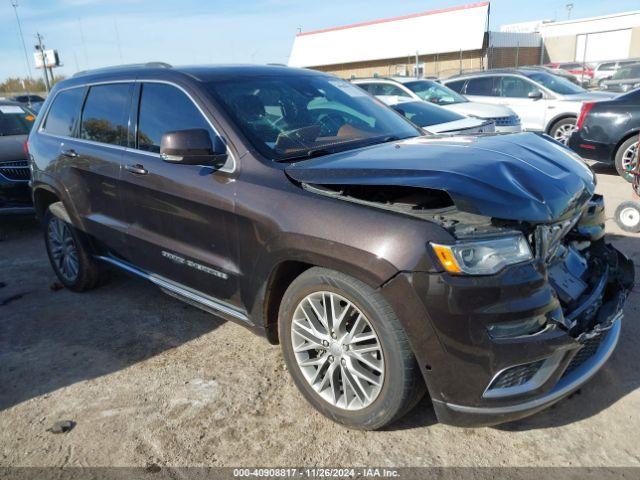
(483, 257)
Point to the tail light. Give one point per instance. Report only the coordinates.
(586, 108)
(25, 148)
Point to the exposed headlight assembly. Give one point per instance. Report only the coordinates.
(483, 257)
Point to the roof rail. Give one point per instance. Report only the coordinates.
(117, 67)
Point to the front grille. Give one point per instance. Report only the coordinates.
(15, 170)
(510, 121)
(516, 376)
(588, 350)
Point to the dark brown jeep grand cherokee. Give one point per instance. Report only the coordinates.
(385, 262)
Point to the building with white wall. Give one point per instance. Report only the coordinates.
(441, 42)
(608, 37)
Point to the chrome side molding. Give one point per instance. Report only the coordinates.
(182, 292)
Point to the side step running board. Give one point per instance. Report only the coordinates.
(182, 292)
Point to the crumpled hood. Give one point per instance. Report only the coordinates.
(522, 176)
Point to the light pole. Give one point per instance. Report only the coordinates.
(569, 7)
(14, 4)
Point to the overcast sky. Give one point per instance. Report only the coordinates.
(86, 32)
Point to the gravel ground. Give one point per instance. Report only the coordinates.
(150, 380)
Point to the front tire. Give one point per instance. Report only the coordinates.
(628, 216)
(346, 350)
(626, 158)
(563, 129)
(69, 254)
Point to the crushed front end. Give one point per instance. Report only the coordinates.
(513, 343)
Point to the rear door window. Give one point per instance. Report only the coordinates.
(164, 108)
(64, 112)
(106, 113)
(482, 86)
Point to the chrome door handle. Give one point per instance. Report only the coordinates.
(71, 153)
(136, 169)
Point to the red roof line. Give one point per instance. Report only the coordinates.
(393, 19)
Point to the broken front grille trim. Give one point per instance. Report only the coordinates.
(522, 380)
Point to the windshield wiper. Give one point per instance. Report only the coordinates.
(312, 153)
(320, 151)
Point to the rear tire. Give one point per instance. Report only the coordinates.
(563, 129)
(626, 156)
(628, 216)
(326, 366)
(70, 254)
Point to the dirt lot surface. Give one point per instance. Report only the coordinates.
(150, 380)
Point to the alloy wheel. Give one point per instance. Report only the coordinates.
(630, 217)
(62, 246)
(563, 132)
(337, 350)
(629, 158)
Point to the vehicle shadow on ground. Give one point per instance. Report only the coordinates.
(604, 168)
(51, 338)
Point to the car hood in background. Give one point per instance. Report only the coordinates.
(482, 110)
(11, 147)
(524, 176)
(582, 97)
(467, 125)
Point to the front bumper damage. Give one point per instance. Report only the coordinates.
(475, 377)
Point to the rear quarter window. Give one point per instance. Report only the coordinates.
(64, 112)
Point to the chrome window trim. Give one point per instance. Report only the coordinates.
(227, 169)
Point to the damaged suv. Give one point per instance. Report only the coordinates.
(386, 263)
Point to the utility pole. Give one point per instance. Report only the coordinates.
(40, 48)
(569, 7)
(14, 4)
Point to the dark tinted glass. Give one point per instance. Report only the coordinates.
(15, 120)
(64, 112)
(456, 86)
(424, 114)
(387, 89)
(164, 108)
(480, 86)
(290, 117)
(105, 114)
(514, 87)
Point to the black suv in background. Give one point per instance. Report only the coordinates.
(15, 124)
(607, 131)
(385, 262)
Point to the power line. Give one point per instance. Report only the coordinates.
(14, 4)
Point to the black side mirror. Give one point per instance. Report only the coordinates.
(193, 147)
(537, 95)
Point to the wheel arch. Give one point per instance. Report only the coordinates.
(43, 197)
(557, 118)
(627, 136)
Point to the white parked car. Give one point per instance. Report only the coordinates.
(503, 117)
(543, 101)
(436, 119)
